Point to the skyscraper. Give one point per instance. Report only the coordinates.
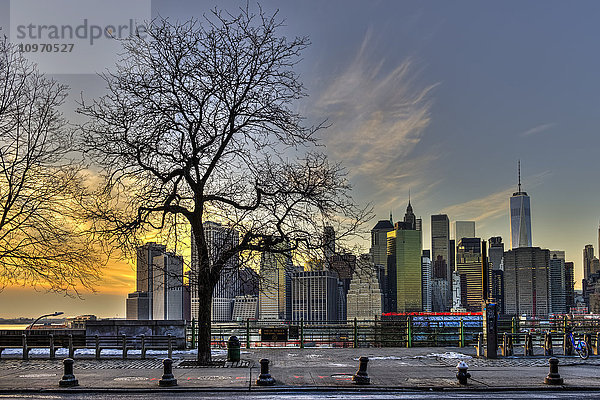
(426, 276)
(364, 296)
(219, 239)
(569, 285)
(588, 256)
(556, 283)
(405, 250)
(167, 287)
(469, 265)
(496, 271)
(378, 249)
(440, 240)
(526, 281)
(139, 303)
(520, 218)
(274, 299)
(463, 229)
(314, 296)
(440, 252)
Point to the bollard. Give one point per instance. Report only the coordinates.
(167, 379)
(25, 348)
(462, 375)
(510, 345)
(68, 379)
(548, 344)
(479, 347)
(587, 338)
(507, 347)
(598, 343)
(553, 377)
(52, 348)
(265, 379)
(528, 348)
(361, 377)
(233, 349)
(567, 346)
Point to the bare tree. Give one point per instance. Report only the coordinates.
(40, 241)
(198, 125)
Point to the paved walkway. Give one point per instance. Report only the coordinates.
(415, 368)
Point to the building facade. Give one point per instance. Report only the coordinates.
(463, 229)
(274, 298)
(219, 240)
(404, 251)
(167, 287)
(364, 297)
(440, 252)
(426, 278)
(314, 296)
(245, 308)
(526, 281)
(469, 263)
(556, 284)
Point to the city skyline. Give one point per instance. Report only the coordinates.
(454, 67)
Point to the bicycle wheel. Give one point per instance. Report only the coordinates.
(583, 350)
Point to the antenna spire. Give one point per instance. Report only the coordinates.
(519, 175)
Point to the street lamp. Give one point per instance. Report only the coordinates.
(54, 314)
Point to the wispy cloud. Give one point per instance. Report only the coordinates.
(378, 116)
(492, 205)
(538, 129)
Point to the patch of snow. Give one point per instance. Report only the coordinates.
(450, 355)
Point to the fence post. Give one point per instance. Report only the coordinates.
(514, 326)
(355, 334)
(143, 346)
(302, 333)
(52, 348)
(462, 334)
(71, 348)
(409, 331)
(97, 347)
(25, 348)
(124, 346)
(247, 333)
(193, 333)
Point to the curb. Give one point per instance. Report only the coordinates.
(307, 389)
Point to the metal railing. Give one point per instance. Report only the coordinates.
(402, 331)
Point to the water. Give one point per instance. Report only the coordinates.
(13, 327)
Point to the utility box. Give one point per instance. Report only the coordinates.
(490, 329)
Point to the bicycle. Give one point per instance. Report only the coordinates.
(581, 347)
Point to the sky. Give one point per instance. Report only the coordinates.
(440, 98)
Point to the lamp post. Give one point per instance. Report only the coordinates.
(54, 314)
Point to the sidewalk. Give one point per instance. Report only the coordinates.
(315, 368)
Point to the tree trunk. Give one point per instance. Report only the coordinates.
(204, 321)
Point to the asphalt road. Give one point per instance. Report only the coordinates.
(281, 395)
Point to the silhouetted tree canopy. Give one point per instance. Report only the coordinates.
(199, 124)
(41, 242)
